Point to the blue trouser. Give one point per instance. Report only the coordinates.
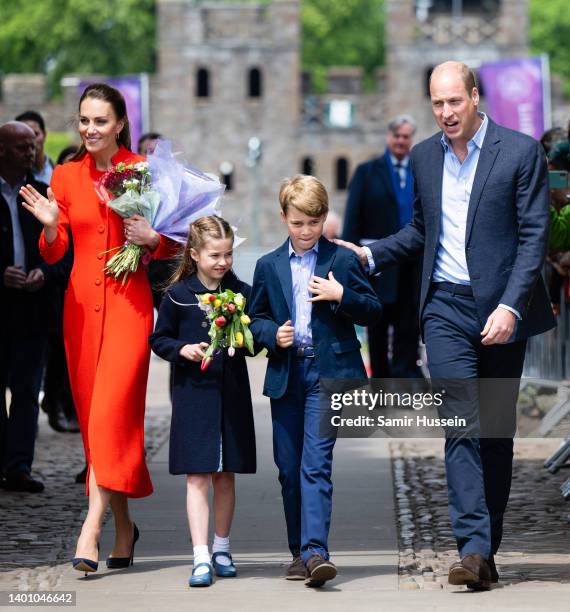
(21, 369)
(479, 469)
(304, 460)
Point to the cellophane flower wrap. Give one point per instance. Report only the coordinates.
(167, 193)
(229, 325)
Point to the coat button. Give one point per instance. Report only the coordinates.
(101, 229)
(97, 307)
(97, 281)
(100, 256)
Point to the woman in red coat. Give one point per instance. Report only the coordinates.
(106, 324)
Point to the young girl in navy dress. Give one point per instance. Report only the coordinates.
(212, 434)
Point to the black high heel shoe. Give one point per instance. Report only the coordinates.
(122, 562)
(85, 565)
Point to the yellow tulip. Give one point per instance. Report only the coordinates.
(245, 319)
(217, 303)
(239, 338)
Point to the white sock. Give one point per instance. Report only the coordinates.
(201, 555)
(222, 545)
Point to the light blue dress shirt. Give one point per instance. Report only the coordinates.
(302, 270)
(450, 262)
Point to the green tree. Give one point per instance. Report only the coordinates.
(343, 33)
(59, 37)
(550, 33)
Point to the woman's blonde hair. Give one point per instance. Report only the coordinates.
(201, 231)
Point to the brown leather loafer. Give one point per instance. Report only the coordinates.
(475, 586)
(473, 570)
(319, 570)
(296, 570)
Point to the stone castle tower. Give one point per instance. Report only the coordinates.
(227, 74)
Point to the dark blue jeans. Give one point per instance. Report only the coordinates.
(479, 470)
(21, 369)
(304, 460)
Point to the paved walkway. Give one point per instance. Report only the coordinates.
(363, 542)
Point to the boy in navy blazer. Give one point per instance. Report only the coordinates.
(306, 297)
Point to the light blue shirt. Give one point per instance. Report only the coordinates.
(450, 263)
(44, 176)
(302, 270)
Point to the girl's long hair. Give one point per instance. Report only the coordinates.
(102, 91)
(201, 230)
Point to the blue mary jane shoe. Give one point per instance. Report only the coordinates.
(224, 571)
(201, 580)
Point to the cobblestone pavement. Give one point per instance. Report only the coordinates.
(536, 542)
(38, 531)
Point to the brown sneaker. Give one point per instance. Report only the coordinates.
(296, 570)
(319, 570)
(473, 570)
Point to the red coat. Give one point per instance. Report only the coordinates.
(106, 329)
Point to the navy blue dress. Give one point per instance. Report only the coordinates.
(212, 425)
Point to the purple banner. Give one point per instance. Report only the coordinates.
(517, 92)
(135, 91)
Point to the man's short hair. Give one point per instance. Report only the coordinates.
(148, 136)
(397, 122)
(31, 115)
(305, 193)
(467, 75)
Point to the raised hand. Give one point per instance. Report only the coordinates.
(45, 210)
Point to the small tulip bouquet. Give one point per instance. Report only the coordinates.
(229, 324)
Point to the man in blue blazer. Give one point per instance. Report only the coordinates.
(380, 202)
(306, 298)
(481, 222)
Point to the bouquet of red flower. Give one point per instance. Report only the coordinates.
(229, 324)
(130, 184)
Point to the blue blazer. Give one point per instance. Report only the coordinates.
(337, 349)
(507, 226)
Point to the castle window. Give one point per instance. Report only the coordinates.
(341, 173)
(203, 83)
(255, 83)
(308, 166)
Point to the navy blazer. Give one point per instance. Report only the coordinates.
(507, 226)
(337, 349)
(372, 212)
(19, 309)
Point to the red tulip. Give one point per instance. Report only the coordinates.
(231, 308)
(212, 298)
(205, 364)
(220, 321)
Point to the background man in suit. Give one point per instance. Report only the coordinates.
(24, 308)
(43, 166)
(380, 202)
(481, 221)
